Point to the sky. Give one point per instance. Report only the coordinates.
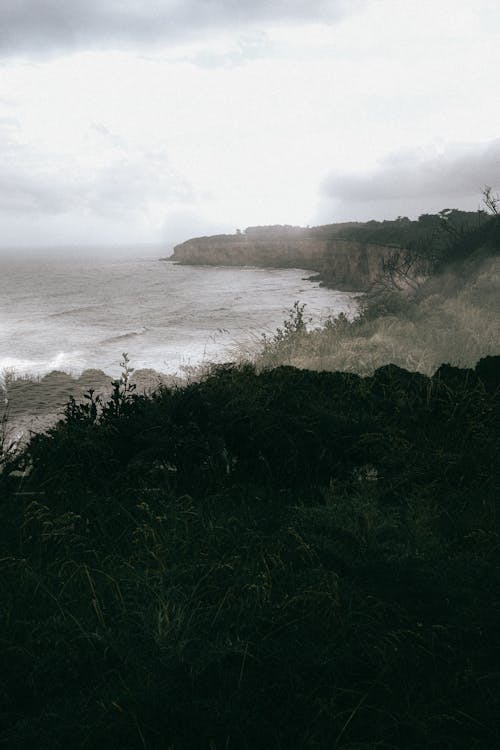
(152, 121)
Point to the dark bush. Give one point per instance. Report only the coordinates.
(284, 559)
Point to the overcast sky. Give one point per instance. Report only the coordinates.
(126, 121)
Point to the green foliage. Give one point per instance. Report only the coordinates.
(283, 559)
(273, 557)
(431, 234)
(287, 340)
(414, 319)
(8, 448)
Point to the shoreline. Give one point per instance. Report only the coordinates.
(320, 277)
(35, 400)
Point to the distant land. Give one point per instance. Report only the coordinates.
(346, 256)
(343, 263)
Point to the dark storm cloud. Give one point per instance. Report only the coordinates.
(51, 25)
(451, 175)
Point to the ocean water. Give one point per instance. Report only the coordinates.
(76, 313)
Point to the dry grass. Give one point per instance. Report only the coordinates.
(459, 325)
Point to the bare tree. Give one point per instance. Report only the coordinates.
(491, 200)
(401, 271)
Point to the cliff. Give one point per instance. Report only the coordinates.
(342, 263)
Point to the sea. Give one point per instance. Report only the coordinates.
(80, 311)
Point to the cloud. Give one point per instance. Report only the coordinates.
(45, 26)
(182, 223)
(120, 188)
(412, 183)
(122, 196)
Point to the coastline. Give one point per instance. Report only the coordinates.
(322, 278)
(336, 261)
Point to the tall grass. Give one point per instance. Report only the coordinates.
(455, 320)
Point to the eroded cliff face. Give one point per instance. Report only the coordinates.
(342, 263)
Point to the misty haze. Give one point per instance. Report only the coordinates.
(249, 375)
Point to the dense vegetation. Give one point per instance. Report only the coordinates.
(438, 303)
(272, 557)
(429, 230)
(287, 559)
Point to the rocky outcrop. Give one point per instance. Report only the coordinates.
(342, 263)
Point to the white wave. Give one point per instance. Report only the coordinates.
(70, 362)
(124, 336)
